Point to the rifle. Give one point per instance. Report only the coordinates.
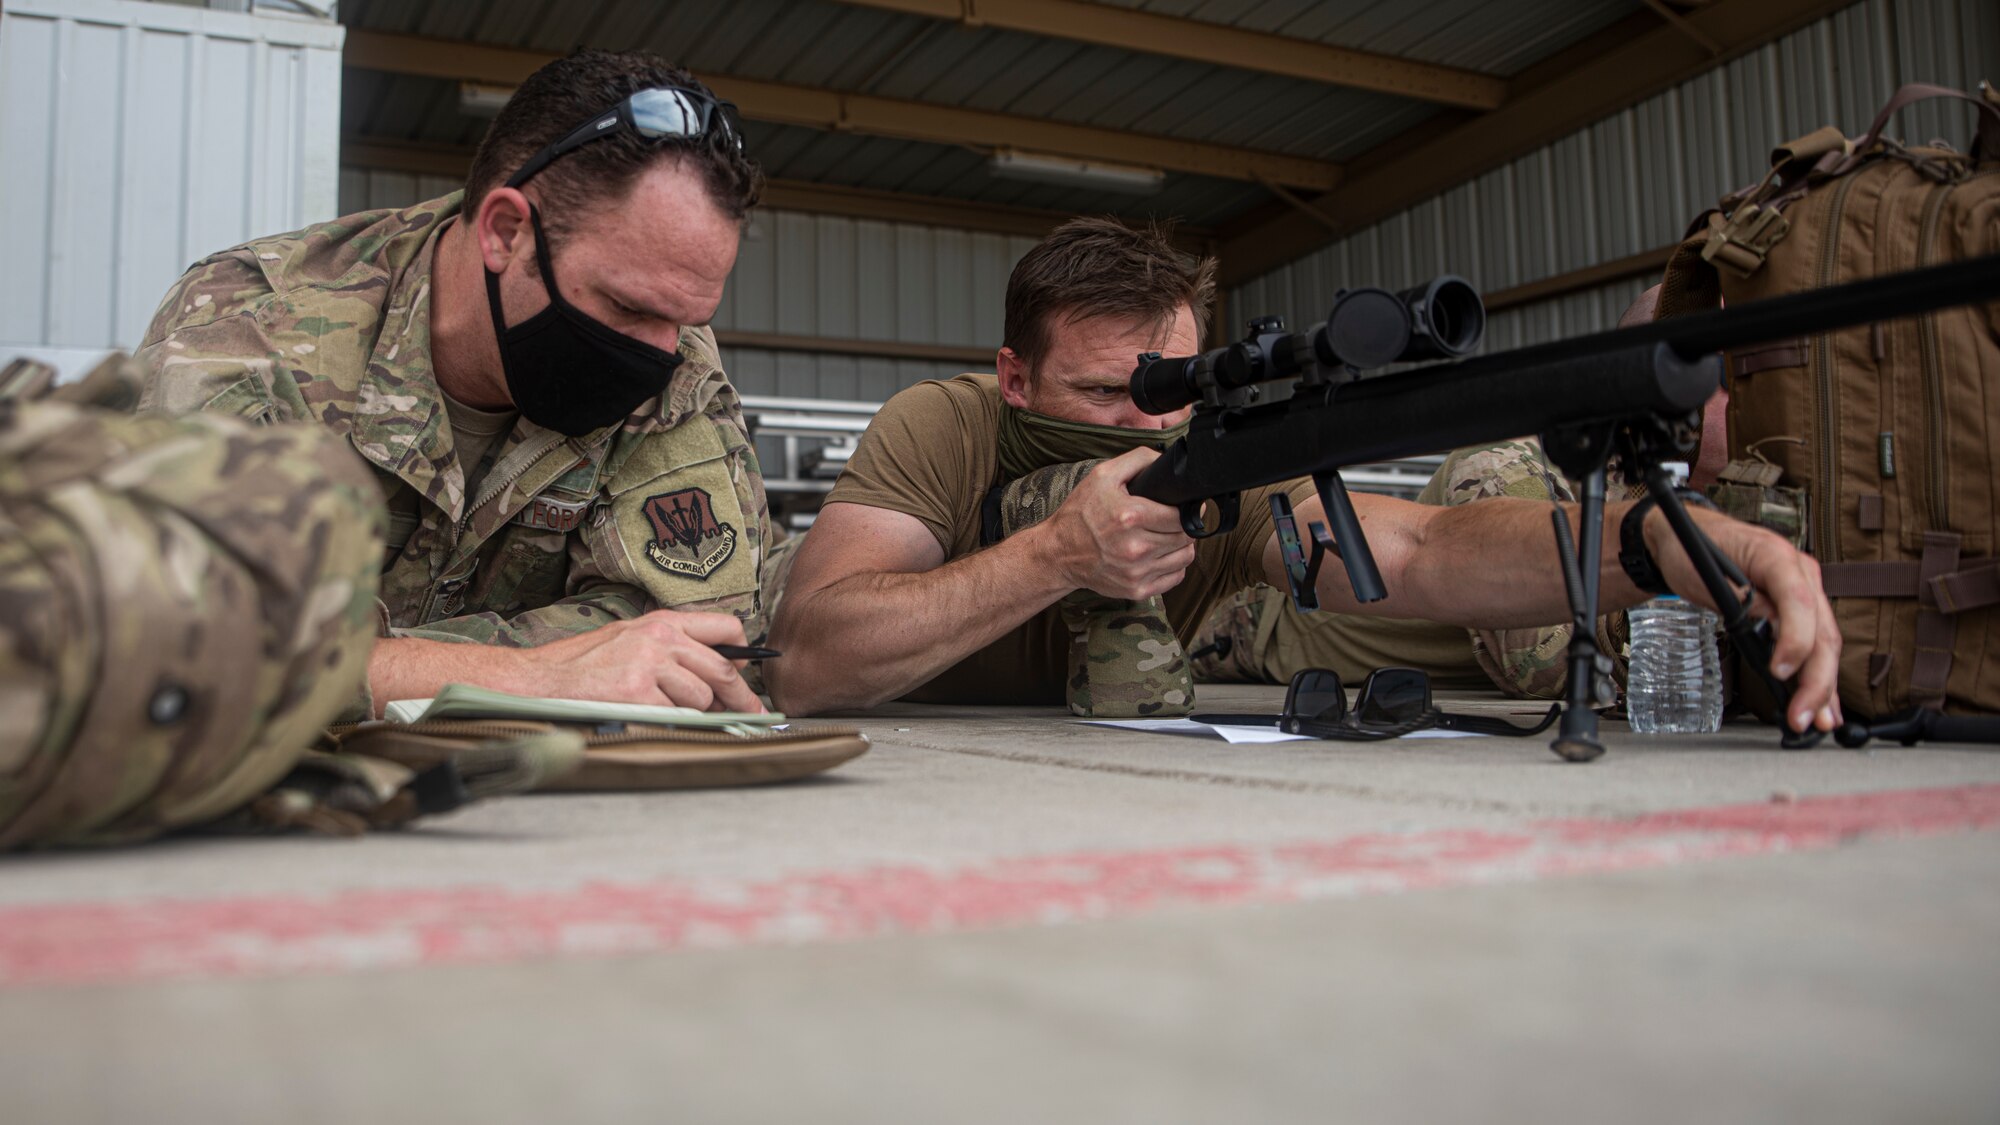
(1635, 393)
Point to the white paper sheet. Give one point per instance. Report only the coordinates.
(1235, 735)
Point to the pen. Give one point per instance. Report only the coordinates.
(746, 652)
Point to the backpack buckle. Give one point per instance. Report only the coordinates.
(1741, 243)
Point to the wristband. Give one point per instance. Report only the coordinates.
(1634, 555)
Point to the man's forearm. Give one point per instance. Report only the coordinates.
(415, 668)
(487, 649)
(1491, 564)
(872, 637)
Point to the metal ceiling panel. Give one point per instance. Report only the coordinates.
(1493, 38)
(405, 108)
(817, 42)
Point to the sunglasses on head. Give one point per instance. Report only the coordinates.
(1392, 702)
(664, 113)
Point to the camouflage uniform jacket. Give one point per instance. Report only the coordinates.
(332, 323)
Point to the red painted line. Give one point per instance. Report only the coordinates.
(71, 943)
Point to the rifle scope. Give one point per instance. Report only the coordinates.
(1441, 319)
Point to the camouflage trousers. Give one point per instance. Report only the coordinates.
(1124, 659)
(1258, 636)
(184, 604)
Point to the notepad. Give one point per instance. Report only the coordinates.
(465, 701)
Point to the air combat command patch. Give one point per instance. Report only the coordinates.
(688, 540)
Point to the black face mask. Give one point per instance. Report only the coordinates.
(566, 371)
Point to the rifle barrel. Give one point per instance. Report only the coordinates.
(1969, 282)
(1666, 368)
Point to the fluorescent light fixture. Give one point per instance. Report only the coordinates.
(1010, 164)
(477, 99)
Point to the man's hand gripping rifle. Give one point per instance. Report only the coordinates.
(1635, 393)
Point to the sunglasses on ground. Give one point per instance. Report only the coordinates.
(1392, 702)
(664, 113)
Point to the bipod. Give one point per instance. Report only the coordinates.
(1643, 445)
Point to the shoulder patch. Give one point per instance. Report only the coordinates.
(689, 541)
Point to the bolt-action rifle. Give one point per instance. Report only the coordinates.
(1634, 394)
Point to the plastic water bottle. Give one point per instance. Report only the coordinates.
(1674, 684)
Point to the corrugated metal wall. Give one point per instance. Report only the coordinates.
(1633, 181)
(167, 133)
(823, 275)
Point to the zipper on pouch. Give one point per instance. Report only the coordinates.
(1937, 516)
(1826, 502)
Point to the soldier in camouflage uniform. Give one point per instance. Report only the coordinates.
(584, 514)
(184, 604)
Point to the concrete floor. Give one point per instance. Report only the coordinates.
(1000, 915)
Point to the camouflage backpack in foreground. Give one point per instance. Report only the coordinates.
(184, 604)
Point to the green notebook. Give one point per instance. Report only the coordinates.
(464, 701)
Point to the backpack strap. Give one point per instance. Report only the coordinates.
(1690, 283)
(1985, 142)
(1750, 221)
(1974, 585)
(1943, 584)
(1936, 630)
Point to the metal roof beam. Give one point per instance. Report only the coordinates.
(1618, 77)
(1176, 37)
(834, 110)
(378, 153)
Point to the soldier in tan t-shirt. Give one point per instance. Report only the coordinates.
(930, 454)
(889, 597)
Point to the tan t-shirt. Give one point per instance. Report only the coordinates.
(932, 453)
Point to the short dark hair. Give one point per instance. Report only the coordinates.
(1094, 267)
(569, 91)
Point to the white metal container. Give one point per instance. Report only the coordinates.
(135, 138)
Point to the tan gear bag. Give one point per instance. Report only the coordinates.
(1893, 426)
(624, 756)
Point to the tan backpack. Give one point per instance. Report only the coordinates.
(1894, 427)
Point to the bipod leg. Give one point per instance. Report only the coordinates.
(1351, 544)
(1577, 738)
(1751, 635)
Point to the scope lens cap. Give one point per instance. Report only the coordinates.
(1367, 328)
